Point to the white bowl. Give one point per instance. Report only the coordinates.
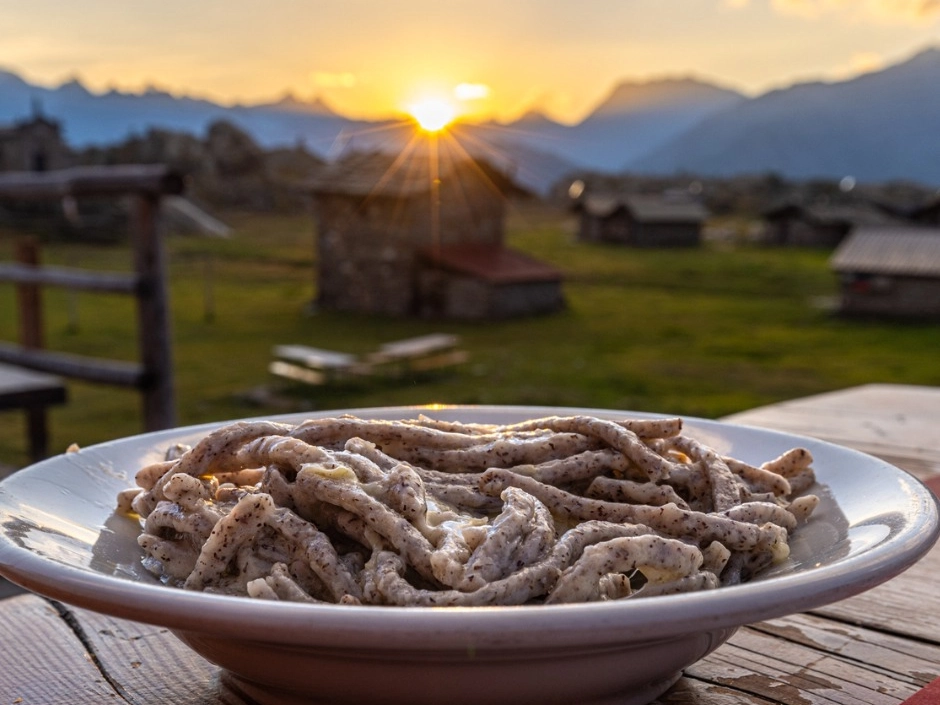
(59, 537)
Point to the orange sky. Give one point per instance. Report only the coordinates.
(370, 58)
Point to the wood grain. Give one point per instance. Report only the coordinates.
(786, 661)
(138, 658)
(44, 662)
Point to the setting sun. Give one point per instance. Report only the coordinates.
(433, 114)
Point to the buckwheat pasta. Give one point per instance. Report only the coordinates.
(347, 510)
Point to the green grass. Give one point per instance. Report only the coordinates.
(702, 332)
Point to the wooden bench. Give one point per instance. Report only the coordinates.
(400, 358)
(414, 355)
(315, 366)
(32, 392)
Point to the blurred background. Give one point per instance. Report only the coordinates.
(246, 210)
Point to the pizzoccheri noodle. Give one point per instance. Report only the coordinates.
(423, 512)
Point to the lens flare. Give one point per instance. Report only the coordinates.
(433, 114)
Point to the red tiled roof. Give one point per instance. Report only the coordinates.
(491, 263)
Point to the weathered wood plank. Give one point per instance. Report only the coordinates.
(690, 691)
(791, 672)
(918, 660)
(894, 422)
(44, 662)
(137, 659)
(890, 606)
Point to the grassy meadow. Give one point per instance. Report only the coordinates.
(702, 332)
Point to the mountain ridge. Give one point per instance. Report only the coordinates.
(881, 125)
(875, 126)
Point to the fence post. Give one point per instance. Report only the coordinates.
(154, 331)
(29, 297)
(29, 302)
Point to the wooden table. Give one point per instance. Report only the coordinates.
(881, 647)
(32, 392)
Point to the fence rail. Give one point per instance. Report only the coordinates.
(153, 374)
(117, 180)
(68, 278)
(89, 369)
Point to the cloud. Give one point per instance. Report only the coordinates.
(471, 91)
(882, 11)
(863, 62)
(908, 9)
(866, 62)
(905, 11)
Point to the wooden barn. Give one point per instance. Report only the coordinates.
(820, 225)
(404, 235)
(640, 220)
(890, 272)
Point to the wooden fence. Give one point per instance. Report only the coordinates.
(153, 374)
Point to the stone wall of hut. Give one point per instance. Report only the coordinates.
(366, 261)
(368, 247)
(459, 297)
(896, 296)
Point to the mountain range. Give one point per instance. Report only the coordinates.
(880, 126)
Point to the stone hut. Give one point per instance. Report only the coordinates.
(401, 235)
(891, 271)
(33, 145)
(640, 220)
(820, 225)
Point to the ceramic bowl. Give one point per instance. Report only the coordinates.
(60, 537)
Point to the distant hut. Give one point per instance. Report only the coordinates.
(640, 220)
(33, 145)
(890, 272)
(820, 225)
(402, 236)
(928, 214)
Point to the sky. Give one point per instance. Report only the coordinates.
(490, 58)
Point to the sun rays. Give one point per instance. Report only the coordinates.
(433, 113)
(426, 153)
